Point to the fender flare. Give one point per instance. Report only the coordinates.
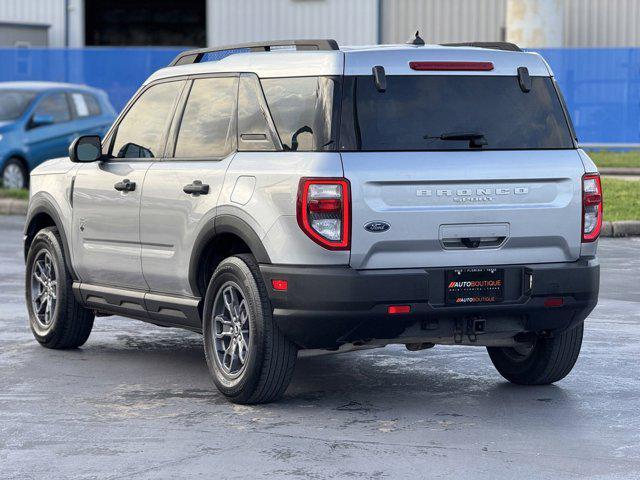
(224, 224)
(42, 202)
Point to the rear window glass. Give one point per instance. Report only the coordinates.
(303, 111)
(440, 112)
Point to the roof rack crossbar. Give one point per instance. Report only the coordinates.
(510, 47)
(196, 56)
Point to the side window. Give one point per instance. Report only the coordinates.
(254, 133)
(85, 105)
(303, 111)
(56, 106)
(141, 132)
(207, 128)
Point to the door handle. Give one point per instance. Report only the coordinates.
(196, 188)
(125, 186)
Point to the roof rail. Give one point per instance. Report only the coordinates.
(510, 47)
(195, 56)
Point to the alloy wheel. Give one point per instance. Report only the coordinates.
(13, 177)
(44, 289)
(231, 330)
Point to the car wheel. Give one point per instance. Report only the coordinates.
(14, 174)
(546, 360)
(56, 318)
(250, 360)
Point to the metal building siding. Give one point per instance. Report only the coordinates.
(443, 20)
(46, 12)
(602, 23)
(350, 22)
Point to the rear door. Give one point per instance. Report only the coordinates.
(181, 192)
(465, 170)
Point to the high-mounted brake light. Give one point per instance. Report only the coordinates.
(452, 66)
(323, 211)
(592, 207)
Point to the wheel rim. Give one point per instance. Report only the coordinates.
(231, 320)
(13, 176)
(44, 289)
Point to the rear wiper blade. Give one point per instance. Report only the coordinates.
(475, 139)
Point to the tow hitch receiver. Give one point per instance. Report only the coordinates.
(470, 328)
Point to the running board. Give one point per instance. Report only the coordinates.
(157, 308)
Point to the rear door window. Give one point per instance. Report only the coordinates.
(254, 133)
(303, 111)
(437, 112)
(207, 128)
(141, 133)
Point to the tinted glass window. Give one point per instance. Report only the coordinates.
(253, 129)
(437, 112)
(85, 105)
(14, 103)
(207, 126)
(93, 105)
(303, 109)
(141, 132)
(56, 106)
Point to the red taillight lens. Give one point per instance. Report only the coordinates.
(324, 211)
(452, 66)
(592, 207)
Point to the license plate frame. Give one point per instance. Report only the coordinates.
(474, 286)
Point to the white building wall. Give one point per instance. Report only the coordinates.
(349, 22)
(48, 12)
(442, 21)
(602, 23)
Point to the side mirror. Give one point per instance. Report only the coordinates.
(86, 149)
(40, 120)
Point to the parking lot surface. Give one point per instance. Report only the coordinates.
(136, 402)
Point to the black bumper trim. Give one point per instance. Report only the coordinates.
(323, 304)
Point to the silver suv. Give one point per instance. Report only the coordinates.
(296, 195)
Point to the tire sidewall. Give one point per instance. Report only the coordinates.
(234, 269)
(45, 240)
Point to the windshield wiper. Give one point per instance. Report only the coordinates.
(476, 140)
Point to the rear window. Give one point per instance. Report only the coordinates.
(440, 112)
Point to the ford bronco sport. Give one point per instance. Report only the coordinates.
(296, 195)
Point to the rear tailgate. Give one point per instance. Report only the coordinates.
(447, 209)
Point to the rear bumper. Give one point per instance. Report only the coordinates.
(324, 307)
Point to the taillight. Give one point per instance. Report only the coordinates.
(592, 207)
(324, 211)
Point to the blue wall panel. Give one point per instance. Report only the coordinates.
(601, 86)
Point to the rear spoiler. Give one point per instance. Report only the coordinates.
(507, 46)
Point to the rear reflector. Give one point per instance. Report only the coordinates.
(396, 309)
(452, 66)
(280, 285)
(553, 302)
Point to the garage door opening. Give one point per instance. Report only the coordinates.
(145, 22)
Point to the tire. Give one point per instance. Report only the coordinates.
(269, 357)
(549, 360)
(14, 174)
(68, 324)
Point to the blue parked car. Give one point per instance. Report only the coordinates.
(38, 121)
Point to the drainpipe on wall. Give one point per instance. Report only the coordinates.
(535, 23)
(379, 31)
(66, 23)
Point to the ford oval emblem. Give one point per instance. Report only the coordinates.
(377, 227)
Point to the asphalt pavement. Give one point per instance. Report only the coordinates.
(136, 402)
